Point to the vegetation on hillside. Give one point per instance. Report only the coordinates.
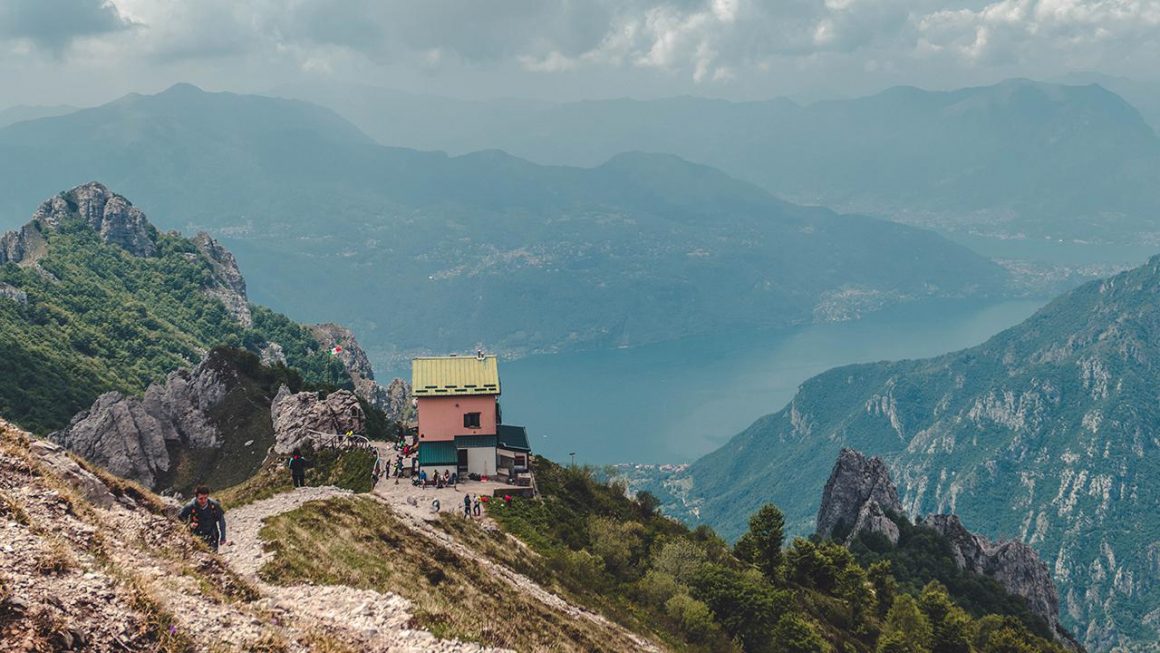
(345, 468)
(99, 319)
(759, 595)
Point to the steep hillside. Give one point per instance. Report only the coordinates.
(421, 251)
(1045, 433)
(94, 563)
(1015, 159)
(93, 298)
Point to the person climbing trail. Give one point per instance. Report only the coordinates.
(467, 505)
(298, 465)
(206, 518)
(475, 507)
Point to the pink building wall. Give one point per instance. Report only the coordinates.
(441, 418)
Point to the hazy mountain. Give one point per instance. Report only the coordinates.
(1144, 95)
(419, 250)
(23, 112)
(1045, 433)
(1017, 159)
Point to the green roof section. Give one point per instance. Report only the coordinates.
(438, 453)
(474, 441)
(514, 438)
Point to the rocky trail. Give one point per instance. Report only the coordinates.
(378, 619)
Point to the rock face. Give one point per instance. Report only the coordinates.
(111, 216)
(393, 400)
(80, 479)
(131, 437)
(296, 415)
(398, 401)
(13, 293)
(857, 497)
(231, 285)
(1013, 564)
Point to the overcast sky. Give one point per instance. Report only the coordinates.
(89, 51)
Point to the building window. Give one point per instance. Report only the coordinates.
(471, 420)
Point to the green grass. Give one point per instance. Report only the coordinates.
(359, 542)
(349, 469)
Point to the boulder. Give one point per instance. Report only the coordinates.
(299, 417)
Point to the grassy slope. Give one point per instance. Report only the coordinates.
(359, 542)
(345, 469)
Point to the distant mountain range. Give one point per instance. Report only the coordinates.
(422, 251)
(1019, 159)
(22, 112)
(1045, 433)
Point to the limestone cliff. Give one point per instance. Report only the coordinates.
(230, 288)
(857, 498)
(394, 400)
(860, 498)
(209, 424)
(111, 216)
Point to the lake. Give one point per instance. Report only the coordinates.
(675, 401)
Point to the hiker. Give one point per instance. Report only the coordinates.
(206, 518)
(298, 465)
(467, 505)
(507, 499)
(476, 506)
(446, 477)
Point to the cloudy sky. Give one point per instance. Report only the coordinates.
(89, 51)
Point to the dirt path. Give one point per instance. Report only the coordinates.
(377, 619)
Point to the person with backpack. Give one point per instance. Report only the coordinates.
(298, 465)
(206, 518)
(467, 505)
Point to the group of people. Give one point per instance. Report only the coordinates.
(447, 479)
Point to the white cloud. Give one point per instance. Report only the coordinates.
(684, 45)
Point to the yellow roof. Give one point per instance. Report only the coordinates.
(454, 375)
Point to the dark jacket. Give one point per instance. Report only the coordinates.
(297, 464)
(208, 521)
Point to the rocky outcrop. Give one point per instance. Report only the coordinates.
(860, 493)
(393, 400)
(13, 293)
(132, 437)
(297, 417)
(397, 405)
(111, 216)
(230, 288)
(857, 497)
(80, 479)
(1013, 564)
